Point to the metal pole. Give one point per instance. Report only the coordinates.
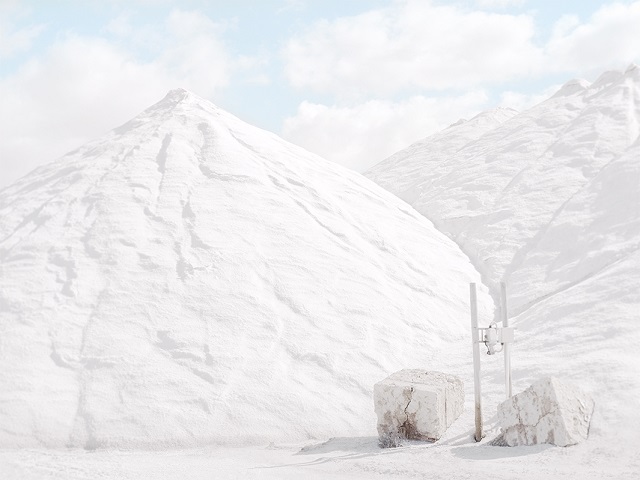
(476, 361)
(507, 347)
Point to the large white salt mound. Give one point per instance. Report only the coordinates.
(189, 279)
(549, 202)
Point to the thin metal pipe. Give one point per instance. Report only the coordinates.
(507, 346)
(476, 360)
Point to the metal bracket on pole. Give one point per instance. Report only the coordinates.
(495, 338)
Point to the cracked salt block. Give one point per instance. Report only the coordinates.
(549, 411)
(417, 405)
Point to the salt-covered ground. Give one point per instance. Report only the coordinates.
(323, 285)
(351, 458)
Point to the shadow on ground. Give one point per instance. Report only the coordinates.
(343, 445)
(490, 452)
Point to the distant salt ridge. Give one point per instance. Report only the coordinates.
(496, 113)
(572, 87)
(189, 279)
(407, 172)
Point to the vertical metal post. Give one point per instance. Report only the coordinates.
(476, 361)
(507, 347)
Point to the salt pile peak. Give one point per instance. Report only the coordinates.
(190, 279)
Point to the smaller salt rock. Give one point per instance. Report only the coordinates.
(549, 411)
(416, 405)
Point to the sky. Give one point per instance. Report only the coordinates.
(351, 80)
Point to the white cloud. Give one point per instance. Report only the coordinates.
(189, 45)
(15, 40)
(296, 5)
(499, 3)
(361, 136)
(80, 90)
(84, 86)
(412, 44)
(564, 25)
(609, 39)
(523, 101)
(196, 54)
